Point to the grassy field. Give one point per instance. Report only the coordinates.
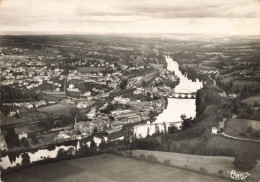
(235, 145)
(105, 169)
(5, 120)
(211, 165)
(252, 100)
(194, 162)
(236, 126)
(56, 109)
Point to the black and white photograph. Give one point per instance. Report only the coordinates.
(129, 90)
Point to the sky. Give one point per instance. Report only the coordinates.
(228, 17)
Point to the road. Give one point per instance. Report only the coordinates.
(238, 138)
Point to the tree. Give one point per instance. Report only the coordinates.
(25, 159)
(61, 153)
(157, 129)
(102, 144)
(24, 142)
(128, 134)
(74, 113)
(183, 117)
(172, 129)
(71, 151)
(33, 137)
(93, 144)
(47, 123)
(5, 110)
(164, 126)
(123, 84)
(186, 123)
(66, 119)
(144, 83)
(244, 161)
(148, 132)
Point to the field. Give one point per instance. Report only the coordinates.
(236, 126)
(235, 145)
(26, 116)
(252, 100)
(206, 164)
(56, 109)
(105, 169)
(242, 83)
(5, 120)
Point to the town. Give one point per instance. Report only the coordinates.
(100, 91)
(69, 88)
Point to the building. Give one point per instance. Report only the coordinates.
(121, 100)
(82, 105)
(40, 103)
(138, 91)
(28, 105)
(214, 130)
(24, 131)
(126, 116)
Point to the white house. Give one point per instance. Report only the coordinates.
(71, 86)
(28, 105)
(87, 93)
(121, 100)
(214, 130)
(82, 105)
(40, 103)
(138, 91)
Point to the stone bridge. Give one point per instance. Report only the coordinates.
(183, 95)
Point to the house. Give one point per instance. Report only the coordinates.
(12, 113)
(214, 130)
(23, 131)
(138, 91)
(71, 86)
(121, 100)
(87, 93)
(117, 125)
(82, 105)
(91, 114)
(57, 90)
(84, 128)
(40, 103)
(17, 104)
(126, 116)
(28, 105)
(112, 84)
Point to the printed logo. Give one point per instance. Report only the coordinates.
(238, 175)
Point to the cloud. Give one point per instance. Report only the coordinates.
(120, 15)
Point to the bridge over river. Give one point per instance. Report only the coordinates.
(181, 94)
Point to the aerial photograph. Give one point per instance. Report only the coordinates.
(129, 90)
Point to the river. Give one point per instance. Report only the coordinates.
(11, 160)
(175, 106)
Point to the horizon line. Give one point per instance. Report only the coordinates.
(17, 33)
